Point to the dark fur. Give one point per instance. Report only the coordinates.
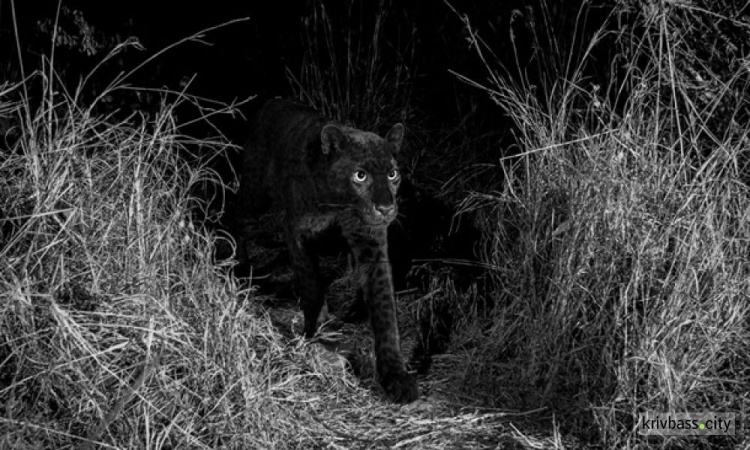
(329, 177)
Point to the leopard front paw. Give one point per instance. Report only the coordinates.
(400, 386)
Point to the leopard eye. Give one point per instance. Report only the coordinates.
(393, 174)
(359, 176)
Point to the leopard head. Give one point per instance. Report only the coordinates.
(364, 173)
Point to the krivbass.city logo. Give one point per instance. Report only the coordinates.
(686, 424)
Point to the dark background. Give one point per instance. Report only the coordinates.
(252, 57)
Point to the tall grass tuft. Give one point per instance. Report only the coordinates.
(350, 71)
(620, 240)
(117, 329)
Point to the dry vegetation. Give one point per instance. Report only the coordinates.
(120, 331)
(620, 237)
(617, 245)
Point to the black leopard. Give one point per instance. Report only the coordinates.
(329, 177)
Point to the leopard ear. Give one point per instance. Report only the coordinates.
(395, 136)
(331, 138)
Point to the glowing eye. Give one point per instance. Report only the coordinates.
(393, 174)
(359, 176)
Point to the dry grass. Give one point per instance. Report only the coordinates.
(367, 81)
(620, 241)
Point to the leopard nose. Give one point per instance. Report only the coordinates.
(385, 210)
